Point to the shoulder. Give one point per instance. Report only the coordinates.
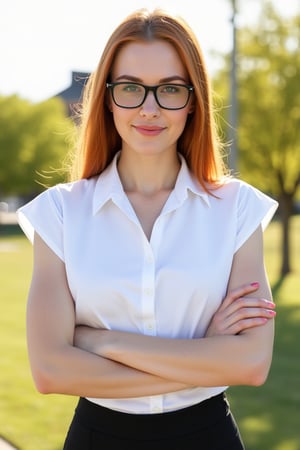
(75, 187)
(232, 189)
(235, 188)
(242, 196)
(75, 191)
(230, 184)
(62, 198)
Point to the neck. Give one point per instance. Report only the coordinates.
(149, 174)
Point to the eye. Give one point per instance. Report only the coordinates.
(170, 89)
(134, 88)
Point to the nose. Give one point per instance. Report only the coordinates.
(150, 106)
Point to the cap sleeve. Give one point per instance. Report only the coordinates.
(44, 214)
(254, 208)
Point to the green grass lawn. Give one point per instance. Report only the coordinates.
(268, 416)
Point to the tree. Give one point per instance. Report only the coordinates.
(33, 144)
(269, 112)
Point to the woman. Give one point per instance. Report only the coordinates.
(149, 294)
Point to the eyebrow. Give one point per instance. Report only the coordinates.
(162, 80)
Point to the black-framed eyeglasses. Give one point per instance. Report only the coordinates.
(167, 95)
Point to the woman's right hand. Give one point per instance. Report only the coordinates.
(239, 312)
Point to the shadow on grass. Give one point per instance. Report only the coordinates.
(269, 416)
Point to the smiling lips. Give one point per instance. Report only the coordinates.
(148, 130)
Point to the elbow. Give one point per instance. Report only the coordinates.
(255, 362)
(50, 373)
(50, 378)
(257, 372)
(259, 377)
(44, 382)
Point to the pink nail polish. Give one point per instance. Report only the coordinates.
(255, 284)
(271, 304)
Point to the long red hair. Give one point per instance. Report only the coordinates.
(98, 138)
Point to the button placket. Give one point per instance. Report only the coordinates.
(148, 291)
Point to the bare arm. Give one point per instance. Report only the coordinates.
(59, 367)
(238, 357)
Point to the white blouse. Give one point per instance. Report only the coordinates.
(169, 286)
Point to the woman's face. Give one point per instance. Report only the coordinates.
(149, 129)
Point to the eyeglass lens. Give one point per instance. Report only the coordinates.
(131, 95)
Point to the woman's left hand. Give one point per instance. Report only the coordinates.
(239, 312)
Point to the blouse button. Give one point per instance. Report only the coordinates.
(148, 291)
(156, 409)
(149, 259)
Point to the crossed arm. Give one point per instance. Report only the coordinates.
(237, 347)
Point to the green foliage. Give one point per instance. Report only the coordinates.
(33, 144)
(268, 416)
(269, 99)
(268, 129)
(268, 73)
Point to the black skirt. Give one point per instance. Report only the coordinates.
(208, 425)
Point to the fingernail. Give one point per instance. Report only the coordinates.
(272, 313)
(270, 304)
(255, 284)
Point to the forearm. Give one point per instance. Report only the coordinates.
(214, 361)
(72, 371)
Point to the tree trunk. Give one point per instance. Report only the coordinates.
(285, 211)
